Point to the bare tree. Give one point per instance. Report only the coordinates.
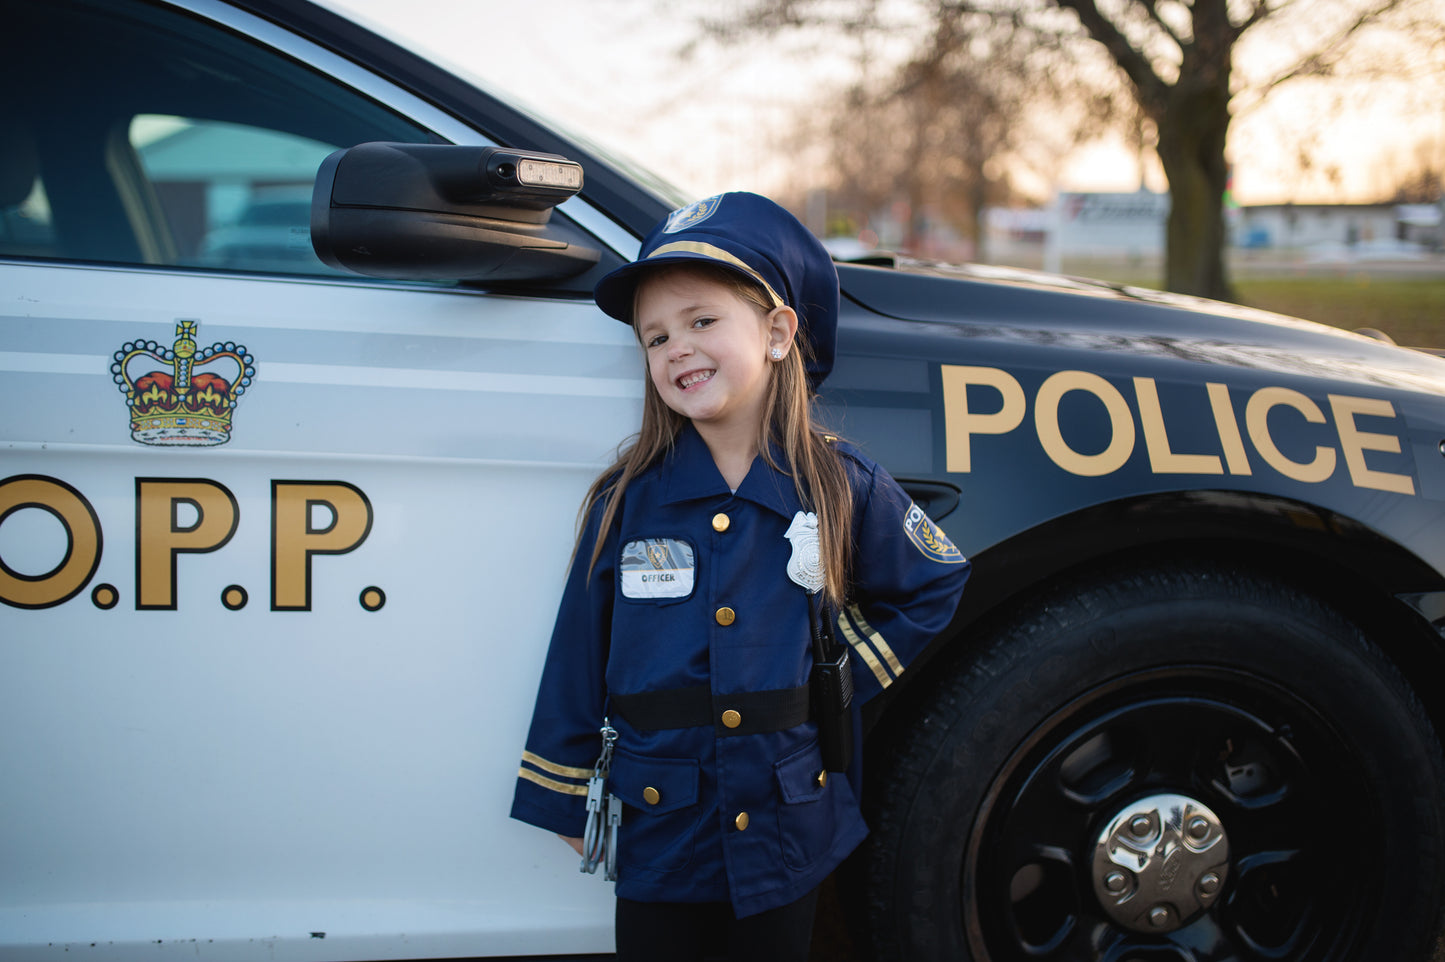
(1416, 176)
(1178, 58)
(931, 132)
(934, 135)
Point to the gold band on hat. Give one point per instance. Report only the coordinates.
(717, 254)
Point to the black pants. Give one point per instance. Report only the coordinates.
(696, 931)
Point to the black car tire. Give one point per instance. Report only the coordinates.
(1240, 691)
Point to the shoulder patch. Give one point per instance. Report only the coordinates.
(929, 538)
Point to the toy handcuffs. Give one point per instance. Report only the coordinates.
(604, 813)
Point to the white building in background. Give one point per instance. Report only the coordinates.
(1131, 228)
(1126, 226)
(1424, 224)
(1299, 226)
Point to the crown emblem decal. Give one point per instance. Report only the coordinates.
(182, 395)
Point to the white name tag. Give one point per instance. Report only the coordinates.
(657, 568)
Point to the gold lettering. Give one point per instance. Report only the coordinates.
(1256, 419)
(82, 529)
(160, 534)
(1121, 424)
(1162, 458)
(1354, 443)
(294, 539)
(960, 424)
(1228, 428)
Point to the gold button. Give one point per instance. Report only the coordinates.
(651, 795)
(726, 616)
(741, 822)
(720, 522)
(822, 779)
(731, 718)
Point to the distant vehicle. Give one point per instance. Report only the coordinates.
(281, 547)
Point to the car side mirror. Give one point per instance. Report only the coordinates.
(441, 212)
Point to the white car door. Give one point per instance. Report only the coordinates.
(279, 549)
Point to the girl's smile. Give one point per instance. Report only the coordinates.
(694, 377)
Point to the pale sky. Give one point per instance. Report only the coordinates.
(722, 120)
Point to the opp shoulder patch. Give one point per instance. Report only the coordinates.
(929, 538)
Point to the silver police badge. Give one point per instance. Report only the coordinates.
(805, 567)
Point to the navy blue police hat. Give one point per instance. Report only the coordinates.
(756, 238)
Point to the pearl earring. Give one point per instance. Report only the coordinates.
(777, 353)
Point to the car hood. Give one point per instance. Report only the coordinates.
(1026, 307)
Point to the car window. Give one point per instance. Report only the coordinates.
(148, 136)
(233, 195)
(25, 220)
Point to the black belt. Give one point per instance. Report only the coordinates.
(743, 713)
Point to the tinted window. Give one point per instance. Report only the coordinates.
(146, 136)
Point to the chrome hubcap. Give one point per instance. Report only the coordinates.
(1160, 862)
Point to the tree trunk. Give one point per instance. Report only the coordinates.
(977, 204)
(1192, 131)
(1192, 117)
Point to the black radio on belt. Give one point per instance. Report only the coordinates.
(831, 684)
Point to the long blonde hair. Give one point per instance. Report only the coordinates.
(812, 458)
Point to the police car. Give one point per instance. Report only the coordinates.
(281, 543)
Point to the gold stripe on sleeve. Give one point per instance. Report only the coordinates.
(548, 783)
(856, 614)
(864, 652)
(563, 770)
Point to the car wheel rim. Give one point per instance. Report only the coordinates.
(1267, 784)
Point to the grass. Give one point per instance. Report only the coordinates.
(1407, 304)
(1409, 309)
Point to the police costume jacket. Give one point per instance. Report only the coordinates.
(691, 591)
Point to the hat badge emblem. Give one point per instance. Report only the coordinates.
(694, 213)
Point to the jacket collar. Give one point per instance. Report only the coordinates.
(688, 473)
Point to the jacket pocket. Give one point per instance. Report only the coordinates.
(806, 820)
(660, 820)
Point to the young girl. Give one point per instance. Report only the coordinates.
(687, 616)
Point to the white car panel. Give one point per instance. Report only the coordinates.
(454, 414)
